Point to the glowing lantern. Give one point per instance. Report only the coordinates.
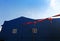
(39, 20)
(35, 22)
(29, 23)
(50, 19)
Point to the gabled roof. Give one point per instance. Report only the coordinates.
(19, 20)
(22, 19)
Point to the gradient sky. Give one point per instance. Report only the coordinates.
(36, 9)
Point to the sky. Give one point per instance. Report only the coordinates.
(35, 9)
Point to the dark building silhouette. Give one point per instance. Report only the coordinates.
(25, 29)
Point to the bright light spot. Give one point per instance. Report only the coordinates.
(53, 4)
(54, 8)
(0, 28)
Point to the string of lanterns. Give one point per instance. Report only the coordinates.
(41, 20)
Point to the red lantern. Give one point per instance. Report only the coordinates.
(39, 20)
(50, 19)
(29, 23)
(35, 22)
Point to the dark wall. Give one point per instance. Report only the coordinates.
(46, 31)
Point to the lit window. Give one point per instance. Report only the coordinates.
(14, 31)
(34, 30)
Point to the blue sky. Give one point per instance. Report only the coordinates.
(36, 9)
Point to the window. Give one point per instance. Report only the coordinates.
(14, 31)
(34, 30)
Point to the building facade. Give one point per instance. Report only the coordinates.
(25, 29)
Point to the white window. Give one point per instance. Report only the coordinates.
(14, 31)
(34, 30)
